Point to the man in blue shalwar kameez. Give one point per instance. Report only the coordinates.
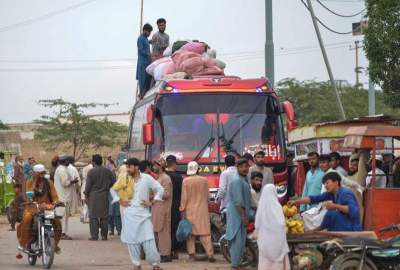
(144, 59)
(343, 211)
(238, 212)
(313, 183)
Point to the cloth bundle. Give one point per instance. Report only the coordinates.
(189, 58)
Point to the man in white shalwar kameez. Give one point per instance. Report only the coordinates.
(137, 229)
(271, 232)
(65, 187)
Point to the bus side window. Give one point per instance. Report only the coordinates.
(158, 147)
(139, 119)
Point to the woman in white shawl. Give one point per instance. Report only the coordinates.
(271, 232)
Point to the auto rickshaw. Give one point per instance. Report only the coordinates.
(6, 186)
(381, 205)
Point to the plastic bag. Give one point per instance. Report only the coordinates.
(84, 214)
(168, 51)
(150, 68)
(219, 63)
(313, 217)
(184, 230)
(159, 71)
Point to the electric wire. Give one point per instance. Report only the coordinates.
(282, 50)
(44, 16)
(337, 14)
(131, 67)
(324, 25)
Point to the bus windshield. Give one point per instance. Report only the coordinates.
(196, 127)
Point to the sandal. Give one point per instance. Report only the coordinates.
(65, 237)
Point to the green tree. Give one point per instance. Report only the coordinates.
(3, 126)
(70, 128)
(314, 102)
(382, 43)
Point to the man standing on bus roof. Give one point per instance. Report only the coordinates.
(144, 59)
(160, 40)
(268, 176)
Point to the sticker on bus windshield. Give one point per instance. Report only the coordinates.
(272, 152)
(178, 155)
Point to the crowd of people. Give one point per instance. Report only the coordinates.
(146, 201)
(341, 190)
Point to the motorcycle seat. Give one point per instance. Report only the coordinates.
(359, 241)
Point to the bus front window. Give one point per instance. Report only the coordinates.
(191, 126)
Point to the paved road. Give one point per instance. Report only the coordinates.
(87, 255)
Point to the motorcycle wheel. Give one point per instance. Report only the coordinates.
(32, 260)
(249, 256)
(351, 261)
(48, 250)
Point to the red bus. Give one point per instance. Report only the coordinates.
(206, 118)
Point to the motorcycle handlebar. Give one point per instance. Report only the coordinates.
(57, 204)
(28, 203)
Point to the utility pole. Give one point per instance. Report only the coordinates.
(371, 97)
(327, 64)
(140, 31)
(269, 43)
(141, 16)
(357, 69)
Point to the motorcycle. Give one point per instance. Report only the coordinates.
(43, 244)
(365, 254)
(250, 255)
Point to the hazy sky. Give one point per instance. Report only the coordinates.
(87, 53)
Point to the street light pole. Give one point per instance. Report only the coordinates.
(327, 64)
(371, 97)
(141, 16)
(140, 31)
(269, 43)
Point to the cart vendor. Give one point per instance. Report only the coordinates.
(343, 211)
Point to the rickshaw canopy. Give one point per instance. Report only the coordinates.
(364, 136)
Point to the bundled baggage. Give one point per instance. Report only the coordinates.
(178, 44)
(188, 58)
(196, 47)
